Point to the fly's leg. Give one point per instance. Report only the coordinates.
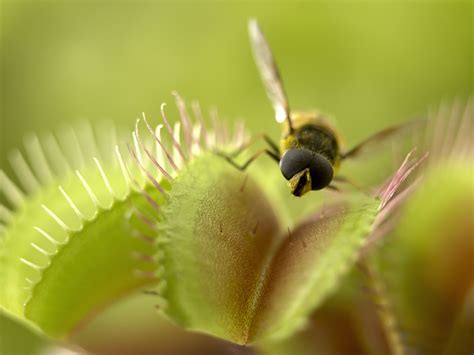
(266, 138)
(272, 145)
(245, 165)
(273, 152)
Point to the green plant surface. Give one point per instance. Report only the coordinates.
(427, 263)
(229, 267)
(98, 265)
(345, 323)
(310, 264)
(18, 339)
(144, 332)
(68, 248)
(425, 266)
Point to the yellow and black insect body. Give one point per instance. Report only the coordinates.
(310, 150)
(309, 153)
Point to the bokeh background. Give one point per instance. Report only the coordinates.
(366, 63)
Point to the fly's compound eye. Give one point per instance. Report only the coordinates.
(294, 161)
(321, 172)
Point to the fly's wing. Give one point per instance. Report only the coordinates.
(269, 72)
(383, 135)
(370, 162)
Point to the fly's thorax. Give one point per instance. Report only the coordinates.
(300, 119)
(316, 138)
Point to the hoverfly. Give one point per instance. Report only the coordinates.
(309, 154)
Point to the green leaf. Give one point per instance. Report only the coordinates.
(68, 249)
(345, 323)
(309, 265)
(18, 339)
(427, 263)
(218, 233)
(102, 260)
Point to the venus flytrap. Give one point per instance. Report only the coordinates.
(426, 265)
(75, 235)
(66, 245)
(169, 215)
(227, 264)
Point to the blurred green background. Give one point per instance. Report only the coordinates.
(368, 63)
